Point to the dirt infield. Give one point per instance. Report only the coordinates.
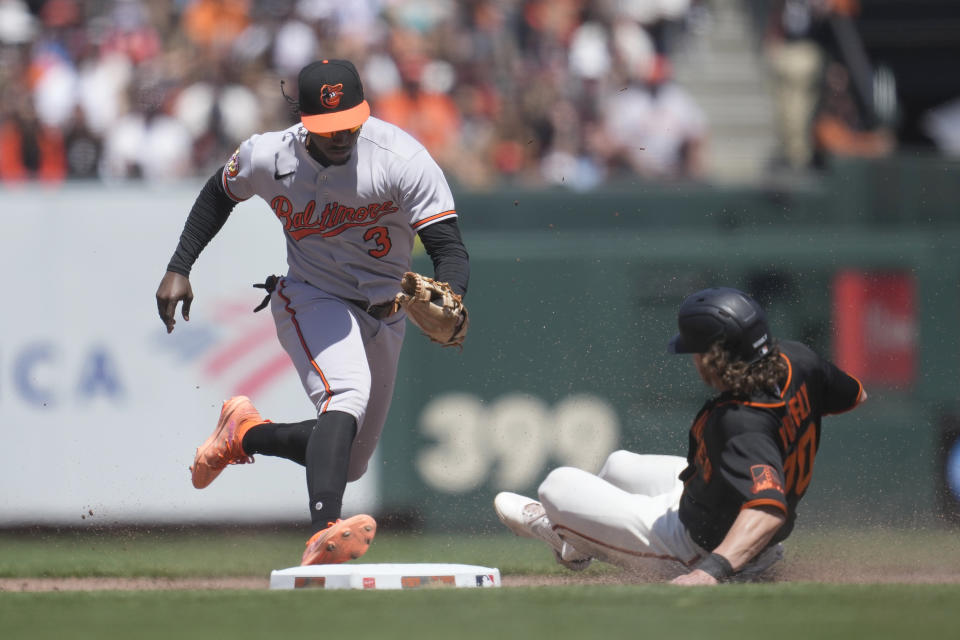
(794, 572)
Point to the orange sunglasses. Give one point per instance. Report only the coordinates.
(330, 134)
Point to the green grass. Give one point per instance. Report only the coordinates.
(786, 610)
(243, 554)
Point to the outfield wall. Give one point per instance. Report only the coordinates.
(572, 299)
(100, 409)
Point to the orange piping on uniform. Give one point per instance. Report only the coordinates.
(786, 385)
(770, 405)
(226, 187)
(764, 502)
(789, 375)
(764, 405)
(638, 554)
(855, 402)
(303, 343)
(434, 217)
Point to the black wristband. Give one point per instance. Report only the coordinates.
(717, 566)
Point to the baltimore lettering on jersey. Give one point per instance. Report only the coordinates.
(334, 219)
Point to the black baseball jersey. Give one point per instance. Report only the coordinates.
(760, 451)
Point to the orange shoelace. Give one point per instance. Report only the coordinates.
(221, 455)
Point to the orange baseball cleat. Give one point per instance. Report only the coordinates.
(223, 447)
(343, 540)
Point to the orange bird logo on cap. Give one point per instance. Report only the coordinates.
(330, 95)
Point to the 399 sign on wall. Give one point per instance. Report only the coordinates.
(509, 441)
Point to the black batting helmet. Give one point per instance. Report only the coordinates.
(724, 315)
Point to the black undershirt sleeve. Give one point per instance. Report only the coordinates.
(451, 263)
(208, 215)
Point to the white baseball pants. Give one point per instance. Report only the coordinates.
(626, 515)
(346, 358)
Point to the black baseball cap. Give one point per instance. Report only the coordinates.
(725, 315)
(331, 96)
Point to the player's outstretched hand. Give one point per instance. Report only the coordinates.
(694, 579)
(173, 288)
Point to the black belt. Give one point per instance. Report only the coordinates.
(379, 311)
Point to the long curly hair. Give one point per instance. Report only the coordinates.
(292, 103)
(743, 379)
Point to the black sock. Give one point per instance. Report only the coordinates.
(327, 459)
(286, 440)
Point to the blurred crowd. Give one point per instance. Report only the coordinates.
(536, 92)
(828, 101)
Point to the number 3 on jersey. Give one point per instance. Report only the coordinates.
(381, 237)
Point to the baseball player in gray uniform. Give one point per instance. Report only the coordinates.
(350, 192)
(721, 513)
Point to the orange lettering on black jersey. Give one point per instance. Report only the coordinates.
(798, 465)
(701, 459)
(790, 470)
(799, 405)
(799, 442)
(788, 431)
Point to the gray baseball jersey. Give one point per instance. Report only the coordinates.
(350, 228)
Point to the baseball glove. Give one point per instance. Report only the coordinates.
(433, 306)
